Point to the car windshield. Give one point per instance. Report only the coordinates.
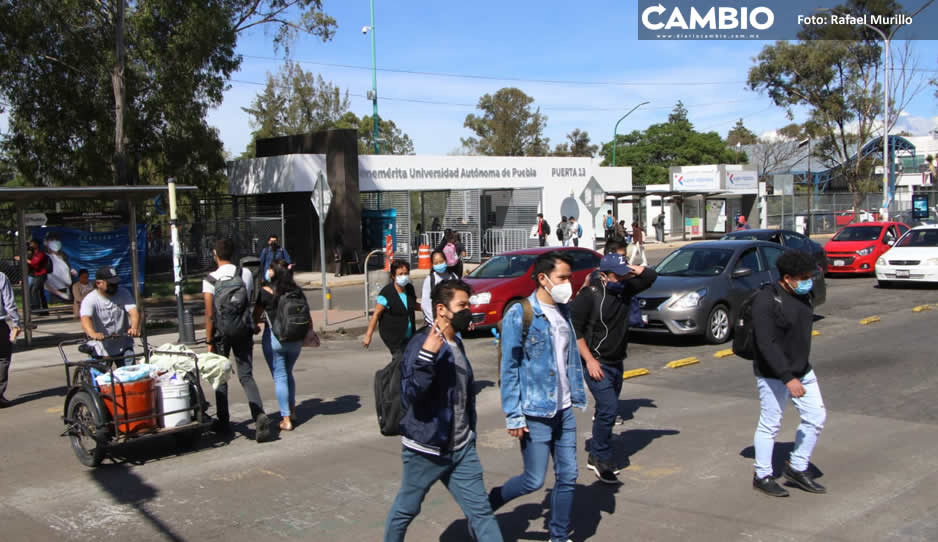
(501, 267)
(859, 233)
(919, 238)
(695, 262)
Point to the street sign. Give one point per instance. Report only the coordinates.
(36, 219)
(322, 196)
(593, 196)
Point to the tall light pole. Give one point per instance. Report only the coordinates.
(374, 78)
(615, 131)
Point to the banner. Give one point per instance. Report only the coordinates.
(91, 250)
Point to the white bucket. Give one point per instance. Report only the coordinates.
(175, 397)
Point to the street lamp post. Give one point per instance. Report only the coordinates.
(374, 78)
(615, 131)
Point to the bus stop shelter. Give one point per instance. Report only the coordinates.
(635, 196)
(131, 195)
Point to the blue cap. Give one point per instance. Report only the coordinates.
(614, 263)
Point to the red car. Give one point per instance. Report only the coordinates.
(506, 279)
(856, 248)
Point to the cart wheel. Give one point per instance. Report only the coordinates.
(85, 419)
(81, 376)
(188, 440)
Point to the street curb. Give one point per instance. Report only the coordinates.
(635, 373)
(682, 362)
(724, 353)
(869, 320)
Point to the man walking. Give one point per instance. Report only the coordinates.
(8, 313)
(273, 251)
(601, 321)
(610, 225)
(538, 407)
(562, 227)
(659, 227)
(229, 328)
(638, 246)
(38, 263)
(574, 232)
(438, 428)
(543, 230)
(783, 316)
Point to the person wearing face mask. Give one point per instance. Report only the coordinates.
(438, 427)
(60, 279)
(274, 251)
(110, 310)
(600, 316)
(541, 380)
(394, 312)
(783, 318)
(439, 273)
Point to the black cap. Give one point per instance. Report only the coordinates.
(107, 273)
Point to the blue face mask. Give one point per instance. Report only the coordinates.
(440, 268)
(803, 287)
(402, 280)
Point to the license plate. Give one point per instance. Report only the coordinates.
(839, 263)
(902, 274)
(645, 319)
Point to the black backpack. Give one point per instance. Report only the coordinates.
(232, 306)
(545, 229)
(559, 233)
(744, 335)
(388, 404)
(291, 321)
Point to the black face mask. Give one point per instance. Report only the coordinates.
(274, 246)
(111, 289)
(461, 321)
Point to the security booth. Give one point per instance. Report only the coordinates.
(130, 196)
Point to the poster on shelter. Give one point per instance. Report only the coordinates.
(91, 250)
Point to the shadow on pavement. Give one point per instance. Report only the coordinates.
(310, 408)
(480, 385)
(628, 407)
(779, 456)
(127, 488)
(36, 395)
(629, 443)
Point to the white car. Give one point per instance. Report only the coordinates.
(913, 258)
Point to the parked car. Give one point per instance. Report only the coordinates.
(701, 286)
(907, 217)
(506, 279)
(856, 248)
(787, 238)
(850, 217)
(914, 258)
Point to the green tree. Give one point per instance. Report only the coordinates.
(740, 134)
(100, 91)
(577, 144)
(391, 139)
(674, 143)
(508, 125)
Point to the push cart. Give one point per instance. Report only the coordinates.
(99, 416)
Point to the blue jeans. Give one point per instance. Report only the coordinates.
(461, 473)
(606, 393)
(281, 357)
(547, 437)
(774, 395)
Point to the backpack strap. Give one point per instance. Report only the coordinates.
(527, 318)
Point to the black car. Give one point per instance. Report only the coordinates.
(786, 238)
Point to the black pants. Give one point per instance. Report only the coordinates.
(606, 393)
(244, 361)
(37, 293)
(542, 240)
(6, 354)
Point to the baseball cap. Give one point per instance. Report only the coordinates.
(614, 263)
(107, 273)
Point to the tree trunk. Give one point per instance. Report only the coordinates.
(120, 96)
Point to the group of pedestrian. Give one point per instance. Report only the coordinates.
(569, 231)
(232, 320)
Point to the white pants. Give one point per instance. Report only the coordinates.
(774, 396)
(638, 254)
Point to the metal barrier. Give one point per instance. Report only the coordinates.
(367, 293)
(497, 241)
(434, 238)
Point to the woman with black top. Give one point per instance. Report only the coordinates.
(280, 356)
(394, 313)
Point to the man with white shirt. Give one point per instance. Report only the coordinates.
(223, 341)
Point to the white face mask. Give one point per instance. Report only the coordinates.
(55, 246)
(560, 293)
(270, 275)
(402, 280)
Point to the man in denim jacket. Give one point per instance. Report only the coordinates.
(541, 379)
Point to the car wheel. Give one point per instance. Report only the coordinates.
(718, 325)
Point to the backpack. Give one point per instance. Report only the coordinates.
(559, 232)
(609, 222)
(579, 231)
(48, 265)
(388, 403)
(744, 335)
(232, 306)
(292, 321)
(449, 252)
(527, 318)
(545, 228)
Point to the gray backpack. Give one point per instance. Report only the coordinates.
(232, 307)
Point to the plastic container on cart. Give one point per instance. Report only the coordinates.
(133, 400)
(174, 395)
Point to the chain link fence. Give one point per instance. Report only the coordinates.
(828, 212)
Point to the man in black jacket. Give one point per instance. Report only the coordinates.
(600, 315)
(783, 317)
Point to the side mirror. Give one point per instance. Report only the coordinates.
(742, 272)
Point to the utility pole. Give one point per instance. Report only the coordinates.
(615, 131)
(374, 81)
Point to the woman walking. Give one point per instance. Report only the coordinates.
(438, 274)
(280, 356)
(394, 313)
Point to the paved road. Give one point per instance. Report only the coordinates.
(686, 442)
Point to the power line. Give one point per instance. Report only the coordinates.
(501, 78)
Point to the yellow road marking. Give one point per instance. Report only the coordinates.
(634, 372)
(682, 362)
(921, 308)
(869, 320)
(724, 353)
(815, 333)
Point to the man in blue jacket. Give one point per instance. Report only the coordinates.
(538, 406)
(438, 428)
(273, 251)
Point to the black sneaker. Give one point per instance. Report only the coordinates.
(803, 480)
(605, 474)
(5, 403)
(262, 428)
(769, 486)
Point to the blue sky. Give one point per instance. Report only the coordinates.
(592, 41)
